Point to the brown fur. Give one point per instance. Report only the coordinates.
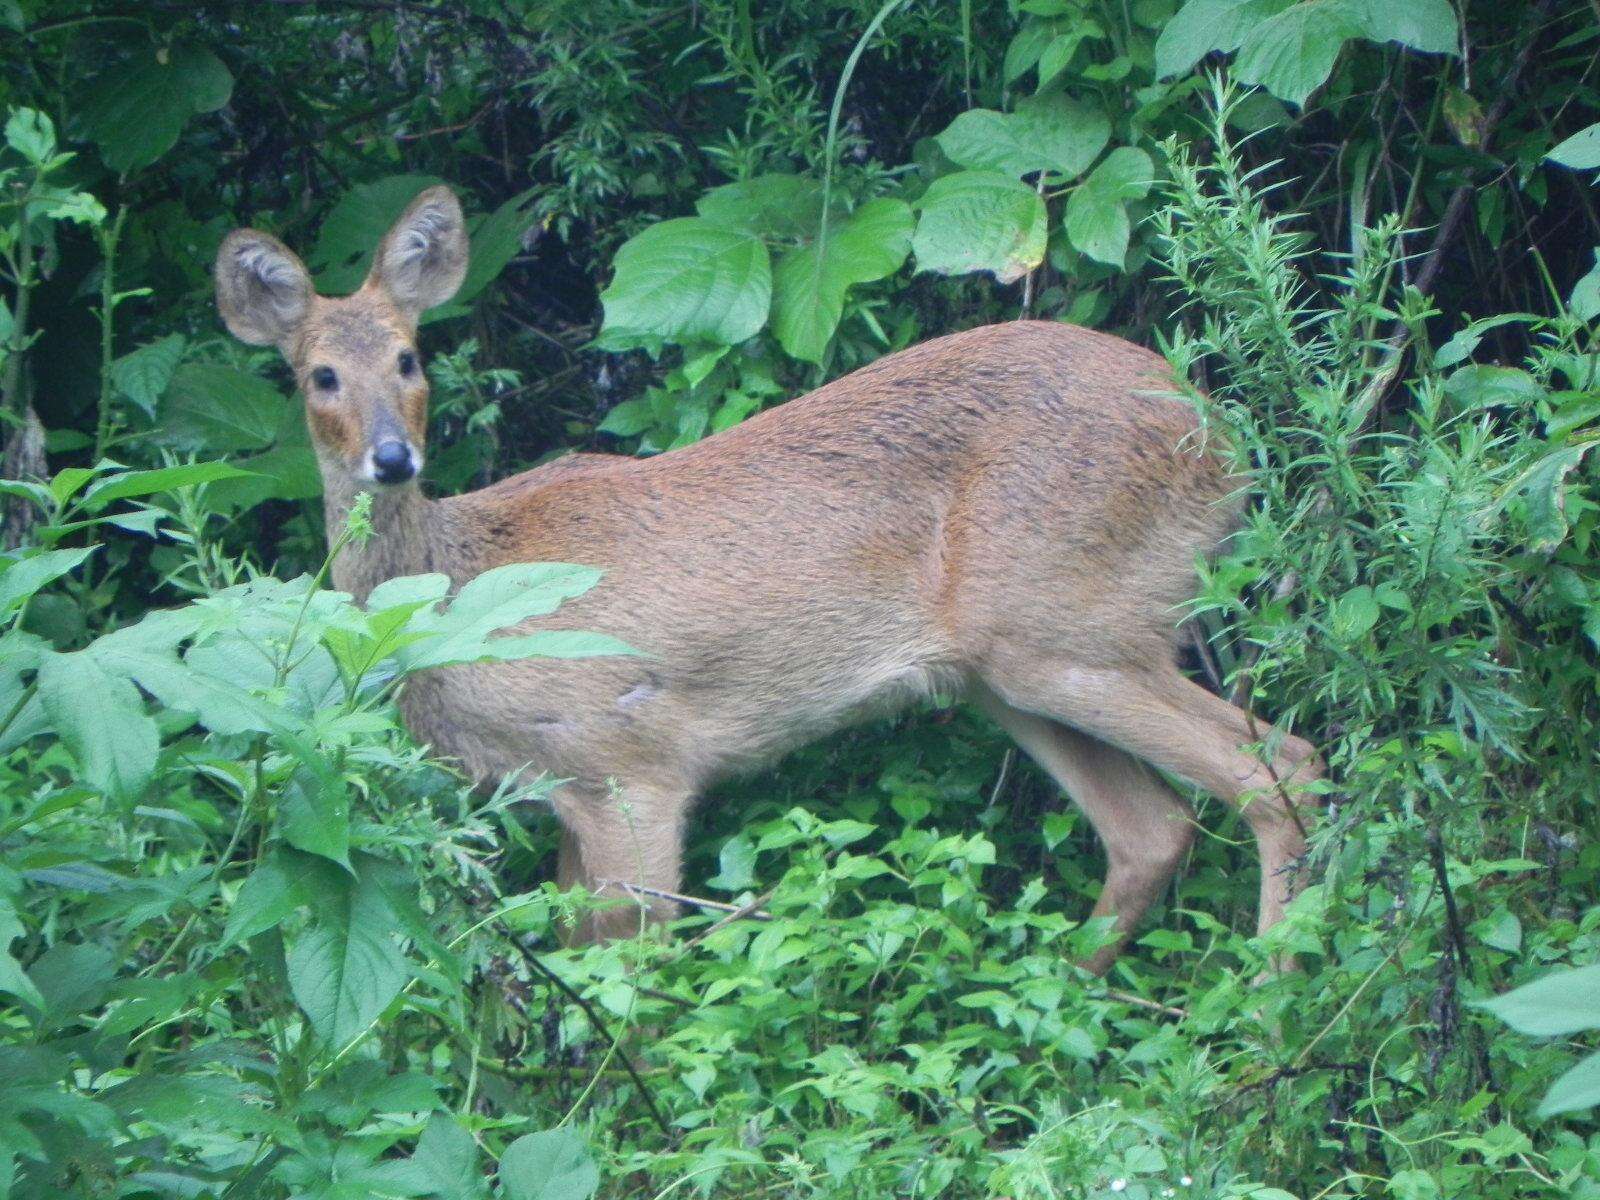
(1012, 514)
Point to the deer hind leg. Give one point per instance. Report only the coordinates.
(1145, 828)
(1165, 719)
(617, 840)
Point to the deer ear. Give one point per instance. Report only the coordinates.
(423, 259)
(263, 290)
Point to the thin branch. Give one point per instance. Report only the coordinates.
(680, 898)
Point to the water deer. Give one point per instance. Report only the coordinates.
(1012, 514)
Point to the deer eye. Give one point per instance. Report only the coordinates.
(408, 363)
(325, 379)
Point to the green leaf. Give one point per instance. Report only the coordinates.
(553, 1165)
(136, 110)
(1556, 1005)
(1581, 151)
(1543, 488)
(498, 598)
(1097, 212)
(1292, 53)
(21, 578)
(1046, 133)
(215, 408)
(346, 968)
(495, 240)
(1426, 25)
(143, 375)
(811, 281)
(1578, 1088)
(1354, 614)
(287, 880)
(1482, 385)
(1585, 299)
(101, 720)
(980, 221)
(1201, 26)
(161, 479)
(72, 978)
(351, 231)
(767, 206)
(446, 1159)
(31, 134)
(13, 979)
(687, 280)
(316, 818)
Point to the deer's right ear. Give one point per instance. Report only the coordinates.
(263, 289)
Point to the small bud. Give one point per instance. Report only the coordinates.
(359, 523)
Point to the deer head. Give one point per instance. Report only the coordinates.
(355, 356)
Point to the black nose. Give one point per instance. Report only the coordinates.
(391, 461)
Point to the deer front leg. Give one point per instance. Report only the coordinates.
(615, 841)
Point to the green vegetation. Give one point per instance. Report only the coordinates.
(255, 942)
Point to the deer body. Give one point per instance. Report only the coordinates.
(1011, 514)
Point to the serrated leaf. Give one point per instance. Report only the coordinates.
(21, 578)
(553, 1165)
(811, 281)
(980, 221)
(135, 111)
(287, 880)
(447, 1160)
(346, 968)
(1097, 211)
(143, 375)
(209, 407)
(101, 720)
(1292, 53)
(688, 280)
(1046, 133)
(497, 599)
(1555, 1005)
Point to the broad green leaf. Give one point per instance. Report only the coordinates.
(1354, 614)
(281, 473)
(287, 880)
(1201, 26)
(1543, 491)
(495, 239)
(553, 1165)
(354, 226)
(767, 206)
(13, 979)
(150, 483)
(497, 599)
(101, 720)
(1577, 1089)
(21, 578)
(316, 818)
(1064, 46)
(1426, 25)
(446, 1159)
(1581, 151)
(1291, 54)
(72, 978)
(1097, 212)
(687, 280)
(143, 375)
(980, 221)
(550, 643)
(1585, 299)
(811, 281)
(1025, 49)
(346, 968)
(1482, 385)
(1555, 1005)
(31, 134)
(209, 407)
(1046, 133)
(136, 110)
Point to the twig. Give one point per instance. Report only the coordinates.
(1006, 764)
(678, 897)
(1165, 1010)
(738, 914)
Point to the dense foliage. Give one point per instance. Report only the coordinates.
(256, 942)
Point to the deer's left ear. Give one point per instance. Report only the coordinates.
(423, 259)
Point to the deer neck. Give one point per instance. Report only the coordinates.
(403, 522)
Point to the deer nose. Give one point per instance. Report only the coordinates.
(392, 461)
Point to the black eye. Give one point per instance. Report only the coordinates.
(408, 363)
(325, 378)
